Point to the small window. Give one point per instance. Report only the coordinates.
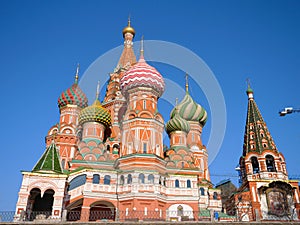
(141, 178)
(202, 192)
(108, 148)
(129, 179)
(122, 180)
(177, 183)
(150, 179)
(107, 179)
(144, 148)
(255, 164)
(188, 184)
(144, 104)
(96, 179)
(270, 163)
(215, 196)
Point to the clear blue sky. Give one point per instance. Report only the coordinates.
(42, 41)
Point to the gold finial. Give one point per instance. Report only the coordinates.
(128, 29)
(77, 72)
(186, 82)
(98, 90)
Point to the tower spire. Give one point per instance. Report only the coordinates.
(249, 89)
(98, 90)
(77, 72)
(186, 83)
(142, 48)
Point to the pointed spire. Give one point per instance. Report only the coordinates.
(49, 162)
(142, 50)
(186, 83)
(77, 73)
(257, 136)
(128, 22)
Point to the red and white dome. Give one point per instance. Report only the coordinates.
(142, 75)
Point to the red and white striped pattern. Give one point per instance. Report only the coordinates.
(142, 75)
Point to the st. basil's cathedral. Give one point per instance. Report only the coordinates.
(107, 161)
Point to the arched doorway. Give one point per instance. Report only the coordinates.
(39, 205)
(102, 210)
(74, 210)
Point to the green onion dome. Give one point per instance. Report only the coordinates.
(95, 113)
(176, 123)
(189, 110)
(73, 96)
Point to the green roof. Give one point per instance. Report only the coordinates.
(49, 162)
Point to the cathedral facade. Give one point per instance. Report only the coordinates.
(107, 160)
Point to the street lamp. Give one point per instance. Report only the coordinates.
(288, 110)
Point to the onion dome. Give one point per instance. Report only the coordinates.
(189, 110)
(176, 123)
(142, 75)
(73, 95)
(128, 29)
(95, 113)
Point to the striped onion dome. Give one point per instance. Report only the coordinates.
(95, 113)
(142, 75)
(73, 96)
(176, 123)
(190, 110)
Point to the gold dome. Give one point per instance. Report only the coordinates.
(128, 29)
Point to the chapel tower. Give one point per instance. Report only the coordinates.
(266, 193)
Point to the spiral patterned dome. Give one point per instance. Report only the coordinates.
(176, 123)
(142, 75)
(95, 113)
(73, 96)
(189, 110)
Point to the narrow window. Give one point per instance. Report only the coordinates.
(188, 184)
(107, 179)
(150, 179)
(144, 147)
(129, 179)
(96, 179)
(177, 183)
(215, 196)
(255, 164)
(141, 178)
(144, 104)
(270, 163)
(202, 191)
(63, 162)
(122, 180)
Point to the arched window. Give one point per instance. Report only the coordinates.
(255, 164)
(177, 183)
(96, 179)
(150, 179)
(202, 192)
(129, 179)
(141, 178)
(270, 163)
(108, 148)
(159, 181)
(215, 196)
(122, 179)
(188, 184)
(77, 181)
(165, 182)
(107, 179)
